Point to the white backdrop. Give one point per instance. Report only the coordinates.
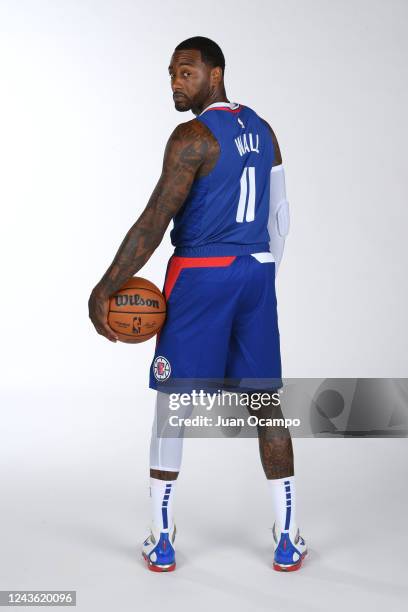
(86, 110)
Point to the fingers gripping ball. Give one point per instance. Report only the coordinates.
(137, 311)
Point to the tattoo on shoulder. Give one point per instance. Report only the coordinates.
(189, 145)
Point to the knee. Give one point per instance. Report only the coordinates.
(266, 406)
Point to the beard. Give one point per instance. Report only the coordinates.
(182, 105)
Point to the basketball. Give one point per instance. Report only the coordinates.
(137, 311)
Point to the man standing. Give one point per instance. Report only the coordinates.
(222, 183)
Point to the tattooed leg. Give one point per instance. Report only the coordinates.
(275, 444)
(163, 475)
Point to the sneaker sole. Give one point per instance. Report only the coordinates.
(279, 567)
(158, 568)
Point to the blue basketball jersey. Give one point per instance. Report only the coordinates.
(220, 281)
(226, 212)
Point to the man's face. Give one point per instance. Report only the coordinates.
(190, 80)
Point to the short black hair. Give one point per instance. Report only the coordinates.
(211, 53)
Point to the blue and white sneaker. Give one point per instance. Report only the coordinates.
(288, 555)
(158, 551)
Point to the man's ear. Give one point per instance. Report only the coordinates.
(216, 76)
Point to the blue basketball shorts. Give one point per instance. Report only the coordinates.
(221, 324)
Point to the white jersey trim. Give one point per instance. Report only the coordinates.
(264, 257)
(231, 105)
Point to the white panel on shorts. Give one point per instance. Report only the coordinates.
(263, 257)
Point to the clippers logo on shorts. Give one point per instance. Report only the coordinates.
(161, 368)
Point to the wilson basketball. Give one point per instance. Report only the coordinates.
(137, 311)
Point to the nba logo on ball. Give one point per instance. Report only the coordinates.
(137, 323)
(161, 368)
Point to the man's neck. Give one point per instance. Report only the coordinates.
(219, 97)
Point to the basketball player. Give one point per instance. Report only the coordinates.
(222, 184)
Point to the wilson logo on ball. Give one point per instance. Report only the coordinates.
(137, 311)
(135, 300)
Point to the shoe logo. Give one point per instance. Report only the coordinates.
(161, 368)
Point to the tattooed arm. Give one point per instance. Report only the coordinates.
(186, 154)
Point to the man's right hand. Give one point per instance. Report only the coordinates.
(98, 305)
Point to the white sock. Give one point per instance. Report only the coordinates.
(162, 494)
(284, 505)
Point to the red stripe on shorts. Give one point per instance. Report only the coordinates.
(177, 264)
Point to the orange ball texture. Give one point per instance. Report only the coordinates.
(137, 311)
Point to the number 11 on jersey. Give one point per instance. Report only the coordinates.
(247, 195)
